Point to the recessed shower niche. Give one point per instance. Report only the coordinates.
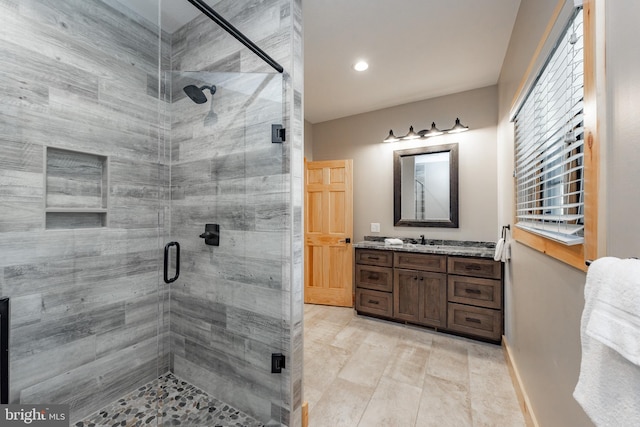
(77, 191)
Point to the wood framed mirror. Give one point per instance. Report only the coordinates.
(425, 186)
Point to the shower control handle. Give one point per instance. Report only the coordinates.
(211, 234)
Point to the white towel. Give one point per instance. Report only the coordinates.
(608, 387)
(497, 256)
(503, 250)
(615, 320)
(393, 242)
(506, 251)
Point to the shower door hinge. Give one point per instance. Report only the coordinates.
(277, 363)
(277, 134)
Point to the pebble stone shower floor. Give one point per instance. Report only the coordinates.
(180, 404)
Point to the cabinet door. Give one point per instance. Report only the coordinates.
(406, 295)
(433, 299)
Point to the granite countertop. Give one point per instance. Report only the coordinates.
(440, 247)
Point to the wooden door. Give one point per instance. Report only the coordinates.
(328, 204)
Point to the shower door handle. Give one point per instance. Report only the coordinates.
(166, 262)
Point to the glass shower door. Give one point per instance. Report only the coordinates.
(80, 200)
(226, 308)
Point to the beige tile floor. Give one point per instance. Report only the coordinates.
(360, 371)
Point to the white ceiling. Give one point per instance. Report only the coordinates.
(416, 49)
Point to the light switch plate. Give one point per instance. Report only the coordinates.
(375, 227)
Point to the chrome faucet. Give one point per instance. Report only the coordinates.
(422, 240)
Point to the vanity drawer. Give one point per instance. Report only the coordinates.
(478, 321)
(374, 277)
(424, 262)
(476, 267)
(374, 257)
(374, 302)
(474, 291)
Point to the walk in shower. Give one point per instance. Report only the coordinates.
(127, 131)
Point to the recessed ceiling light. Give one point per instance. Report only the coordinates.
(361, 66)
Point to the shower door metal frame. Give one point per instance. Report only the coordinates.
(208, 11)
(4, 350)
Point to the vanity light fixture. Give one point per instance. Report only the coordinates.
(391, 137)
(434, 131)
(410, 135)
(426, 133)
(457, 128)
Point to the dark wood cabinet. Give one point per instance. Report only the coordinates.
(433, 299)
(374, 302)
(374, 277)
(476, 267)
(374, 282)
(475, 321)
(420, 297)
(474, 297)
(420, 288)
(405, 295)
(374, 257)
(422, 262)
(455, 294)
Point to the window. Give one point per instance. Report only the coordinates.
(549, 145)
(557, 145)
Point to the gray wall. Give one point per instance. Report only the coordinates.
(308, 140)
(245, 296)
(81, 76)
(544, 298)
(622, 155)
(360, 138)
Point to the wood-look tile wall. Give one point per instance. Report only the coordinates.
(241, 296)
(75, 75)
(82, 75)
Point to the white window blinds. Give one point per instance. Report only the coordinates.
(549, 145)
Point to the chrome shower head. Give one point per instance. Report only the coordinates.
(197, 93)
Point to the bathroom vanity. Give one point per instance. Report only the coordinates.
(452, 286)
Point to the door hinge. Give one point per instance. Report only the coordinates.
(277, 363)
(278, 134)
